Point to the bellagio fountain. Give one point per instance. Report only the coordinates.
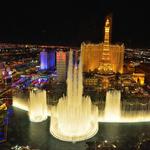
(37, 106)
(74, 118)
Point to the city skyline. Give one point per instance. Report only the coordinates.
(70, 23)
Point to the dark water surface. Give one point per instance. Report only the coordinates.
(22, 132)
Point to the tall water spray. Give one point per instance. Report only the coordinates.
(37, 106)
(112, 111)
(74, 118)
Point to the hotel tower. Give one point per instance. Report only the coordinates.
(104, 57)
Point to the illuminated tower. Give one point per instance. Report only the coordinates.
(44, 60)
(106, 50)
(105, 57)
(61, 65)
(105, 63)
(47, 60)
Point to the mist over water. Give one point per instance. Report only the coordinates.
(74, 118)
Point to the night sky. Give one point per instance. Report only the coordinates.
(71, 22)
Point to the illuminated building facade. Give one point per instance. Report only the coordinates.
(2, 70)
(91, 81)
(44, 60)
(3, 123)
(52, 61)
(139, 78)
(104, 57)
(47, 60)
(61, 65)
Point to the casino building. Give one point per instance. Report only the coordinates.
(47, 60)
(104, 57)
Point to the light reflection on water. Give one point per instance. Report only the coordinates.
(112, 132)
(127, 117)
(22, 132)
(38, 134)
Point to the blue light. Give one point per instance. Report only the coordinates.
(10, 112)
(43, 60)
(1, 133)
(6, 121)
(52, 60)
(47, 60)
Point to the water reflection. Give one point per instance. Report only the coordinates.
(112, 131)
(22, 132)
(39, 135)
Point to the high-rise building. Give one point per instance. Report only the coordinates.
(104, 57)
(47, 60)
(52, 59)
(61, 65)
(44, 60)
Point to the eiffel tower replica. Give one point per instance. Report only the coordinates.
(105, 66)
